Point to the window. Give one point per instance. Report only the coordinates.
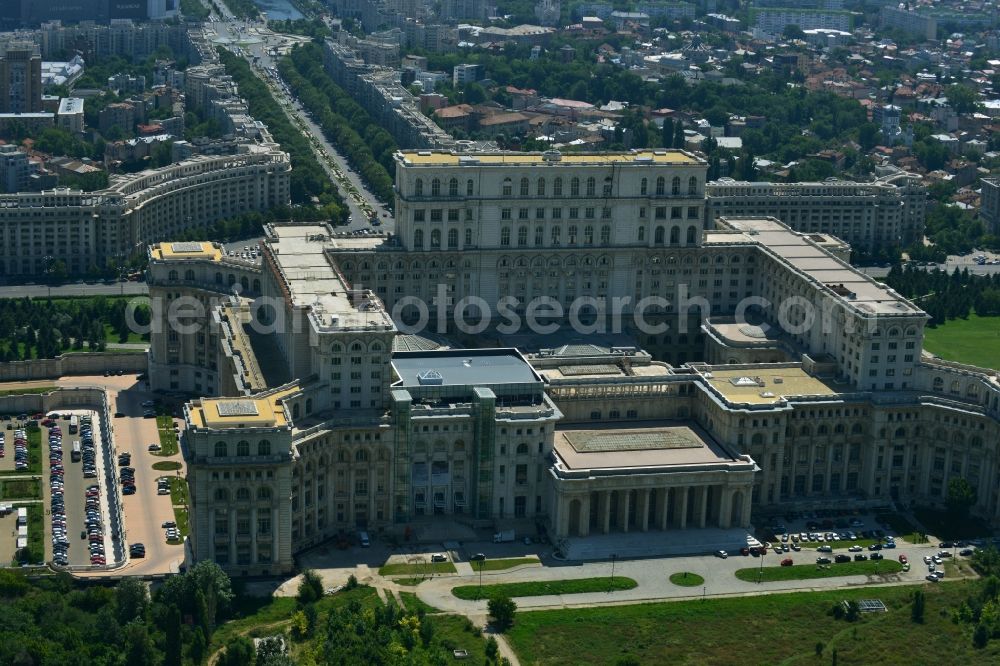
(658, 236)
(263, 448)
(243, 448)
(221, 450)
(574, 187)
(453, 238)
(642, 234)
(436, 187)
(539, 235)
(557, 187)
(540, 188)
(468, 187)
(242, 494)
(524, 187)
(468, 237)
(691, 233)
(556, 232)
(505, 236)
(675, 235)
(221, 495)
(644, 186)
(419, 215)
(522, 236)
(588, 235)
(572, 235)
(661, 184)
(692, 185)
(418, 187)
(591, 185)
(508, 187)
(435, 238)
(675, 186)
(264, 494)
(418, 238)
(453, 187)
(605, 234)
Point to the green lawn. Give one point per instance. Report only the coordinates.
(804, 571)
(178, 491)
(770, 629)
(168, 438)
(30, 390)
(501, 564)
(416, 568)
(167, 466)
(413, 603)
(543, 588)
(20, 489)
(975, 340)
(410, 582)
(686, 579)
(35, 552)
(181, 518)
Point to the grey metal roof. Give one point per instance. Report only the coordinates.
(463, 367)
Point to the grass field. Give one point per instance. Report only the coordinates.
(686, 579)
(26, 391)
(181, 518)
(20, 489)
(409, 582)
(418, 569)
(771, 629)
(168, 438)
(167, 466)
(805, 571)
(501, 564)
(413, 603)
(178, 491)
(543, 588)
(35, 552)
(975, 340)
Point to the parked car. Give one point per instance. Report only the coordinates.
(721, 553)
(787, 562)
(842, 558)
(822, 560)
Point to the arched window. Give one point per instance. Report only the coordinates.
(264, 493)
(453, 187)
(658, 237)
(173, 276)
(418, 187)
(591, 185)
(692, 185)
(263, 448)
(245, 283)
(540, 187)
(221, 450)
(574, 187)
(505, 236)
(256, 286)
(221, 495)
(522, 449)
(675, 186)
(469, 185)
(856, 429)
(588, 235)
(242, 448)
(675, 235)
(309, 405)
(661, 184)
(642, 234)
(361, 456)
(556, 233)
(295, 411)
(436, 187)
(691, 234)
(522, 236)
(242, 494)
(557, 187)
(508, 187)
(189, 275)
(938, 384)
(524, 187)
(418, 238)
(468, 237)
(805, 431)
(539, 235)
(453, 238)
(644, 187)
(571, 234)
(435, 239)
(605, 234)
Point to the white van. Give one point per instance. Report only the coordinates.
(363, 538)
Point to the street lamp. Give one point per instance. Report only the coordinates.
(48, 273)
(482, 565)
(614, 556)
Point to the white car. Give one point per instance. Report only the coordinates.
(855, 549)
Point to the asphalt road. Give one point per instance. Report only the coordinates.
(74, 289)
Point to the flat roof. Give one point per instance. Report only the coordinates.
(462, 367)
(761, 385)
(185, 250)
(451, 158)
(636, 444)
(262, 411)
(609, 370)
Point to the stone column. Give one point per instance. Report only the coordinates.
(625, 498)
(604, 510)
(726, 507)
(702, 505)
(209, 538)
(585, 515)
(232, 536)
(562, 506)
(642, 510)
(275, 534)
(745, 519)
(682, 516)
(664, 500)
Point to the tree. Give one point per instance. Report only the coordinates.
(311, 587)
(961, 98)
(667, 134)
(502, 609)
(793, 31)
(678, 135)
(492, 648)
(961, 497)
(981, 636)
(139, 650)
(868, 136)
(474, 93)
(239, 652)
(132, 599)
(917, 607)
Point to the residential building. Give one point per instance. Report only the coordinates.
(908, 21)
(989, 209)
(15, 170)
(770, 22)
(70, 114)
(20, 78)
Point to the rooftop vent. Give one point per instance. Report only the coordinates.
(552, 156)
(430, 378)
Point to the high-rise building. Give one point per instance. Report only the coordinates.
(989, 209)
(14, 169)
(20, 78)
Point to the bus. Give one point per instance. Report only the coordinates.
(75, 455)
(74, 424)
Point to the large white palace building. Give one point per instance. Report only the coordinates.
(321, 412)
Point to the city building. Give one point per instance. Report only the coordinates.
(989, 209)
(869, 216)
(770, 22)
(20, 78)
(15, 170)
(908, 21)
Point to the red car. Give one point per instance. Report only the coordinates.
(902, 559)
(787, 562)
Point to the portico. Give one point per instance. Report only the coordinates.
(662, 476)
